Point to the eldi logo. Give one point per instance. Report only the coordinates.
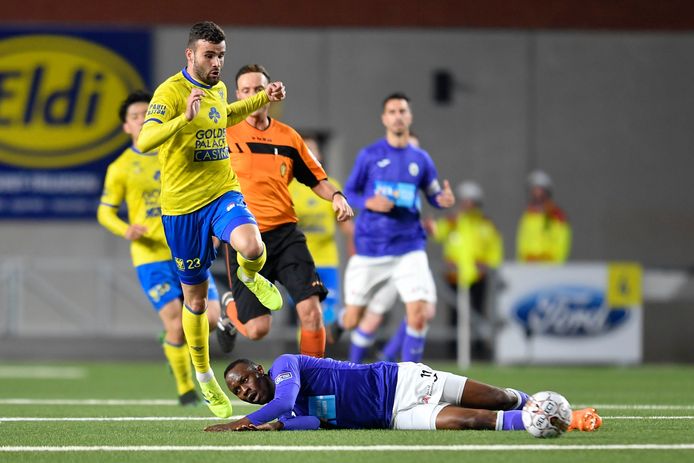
(58, 100)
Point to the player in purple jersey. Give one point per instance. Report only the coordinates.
(304, 393)
(384, 186)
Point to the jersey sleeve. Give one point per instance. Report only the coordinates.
(430, 182)
(287, 384)
(241, 109)
(354, 187)
(112, 196)
(299, 423)
(164, 118)
(307, 169)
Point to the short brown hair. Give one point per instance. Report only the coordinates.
(248, 68)
(207, 31)
(395, 96)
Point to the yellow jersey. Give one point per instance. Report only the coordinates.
(194, 155)
(317, 221)
(544, 235)
(134, 178)
(469, 240)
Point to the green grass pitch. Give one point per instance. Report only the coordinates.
(126, 412)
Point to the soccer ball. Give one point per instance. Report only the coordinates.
(547, 414)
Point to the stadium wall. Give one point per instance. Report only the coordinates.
(607, 114)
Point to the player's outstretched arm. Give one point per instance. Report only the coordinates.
(238, 425)
(155, 132)
(297, 423)
(241, 109)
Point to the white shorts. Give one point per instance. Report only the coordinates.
(409, 273)
(384, 299)
(421, 393)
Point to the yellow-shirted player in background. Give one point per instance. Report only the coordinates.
(200, 195)
(317, 221)
(133, 178)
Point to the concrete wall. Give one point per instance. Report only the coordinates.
(606, 114)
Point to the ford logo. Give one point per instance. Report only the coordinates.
(568, 311)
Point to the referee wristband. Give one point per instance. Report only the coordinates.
(338, 192)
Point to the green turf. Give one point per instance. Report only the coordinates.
(631, 387)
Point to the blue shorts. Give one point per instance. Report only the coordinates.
(331, 305)
(190, 235)
(160, 283)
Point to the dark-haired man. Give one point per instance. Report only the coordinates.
(133, 179)
(200, 195)
(307, 393)
(384, 187)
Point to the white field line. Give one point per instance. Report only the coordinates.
(169, 402)
(633, 407)
(672, 417)
(9, 419)
(346, 448)
(41, 372)
(117, 418)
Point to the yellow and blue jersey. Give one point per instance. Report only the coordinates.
(194, 155)
(317, 221)
(134, 178)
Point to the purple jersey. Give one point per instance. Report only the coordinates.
(347, 395)
(398, 174)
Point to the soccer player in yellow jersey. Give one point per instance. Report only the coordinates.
(200, 194)
(133, 178)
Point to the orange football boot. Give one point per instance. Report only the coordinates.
(586, 420)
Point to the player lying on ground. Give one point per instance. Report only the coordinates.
(303, 393)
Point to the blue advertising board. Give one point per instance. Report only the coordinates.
(60, 91)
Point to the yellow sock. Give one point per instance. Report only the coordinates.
(197, 330)
(251, 267)
(179, 359)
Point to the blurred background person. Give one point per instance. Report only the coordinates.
(134, 179)
(544, 233)
(390, 241)
(383, 301)
(472, 247)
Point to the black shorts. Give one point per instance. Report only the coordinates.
(288, 261)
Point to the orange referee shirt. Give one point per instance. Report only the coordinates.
(265, 162)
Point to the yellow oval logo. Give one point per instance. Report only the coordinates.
(59, 100)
